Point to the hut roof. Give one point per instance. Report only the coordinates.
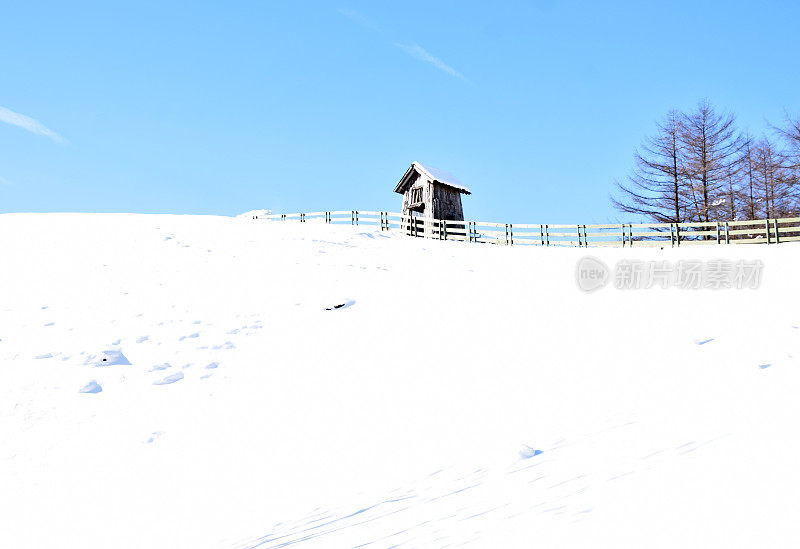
(435, 175)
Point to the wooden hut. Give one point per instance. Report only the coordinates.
(432, 193)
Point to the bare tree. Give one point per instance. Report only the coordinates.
(791, 134)
(711, 147)
(728, 204)
(748, 192)
(774, 181)
(698, 167)
(655, 188)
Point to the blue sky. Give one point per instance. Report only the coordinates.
(223, 107)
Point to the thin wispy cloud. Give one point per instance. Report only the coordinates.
(359, 18)
(414, 50)
(418, 52)
(29, 124)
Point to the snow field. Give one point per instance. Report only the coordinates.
(236, 410)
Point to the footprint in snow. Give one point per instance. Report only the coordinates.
(142, 339)
(764, 366)
(190, 336)
(212, 365)
(163, 366)
(169, 379)
(703, 341)
(154, 435)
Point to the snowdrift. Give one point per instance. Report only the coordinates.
(199, 381)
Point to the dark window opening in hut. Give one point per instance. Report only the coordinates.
(416, 195)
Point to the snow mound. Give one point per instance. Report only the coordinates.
(91, 387)
(112, 357)
(254, 213)
(169, 379)
(526, 452)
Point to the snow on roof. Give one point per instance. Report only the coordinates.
(443, 177)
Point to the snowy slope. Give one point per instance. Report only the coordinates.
(466, 394)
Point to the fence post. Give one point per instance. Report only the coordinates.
(579, 236)
(777, 234)
(766, 227)
(283, 217)
(444, 226)
(623, 235)
(546, 235)
(727, 233)
(678, 235)
(541, 234)
(511, 234)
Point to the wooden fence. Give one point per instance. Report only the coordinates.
(763, 231)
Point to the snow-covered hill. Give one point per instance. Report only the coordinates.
(187, 381)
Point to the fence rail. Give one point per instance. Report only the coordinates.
(762, 231)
